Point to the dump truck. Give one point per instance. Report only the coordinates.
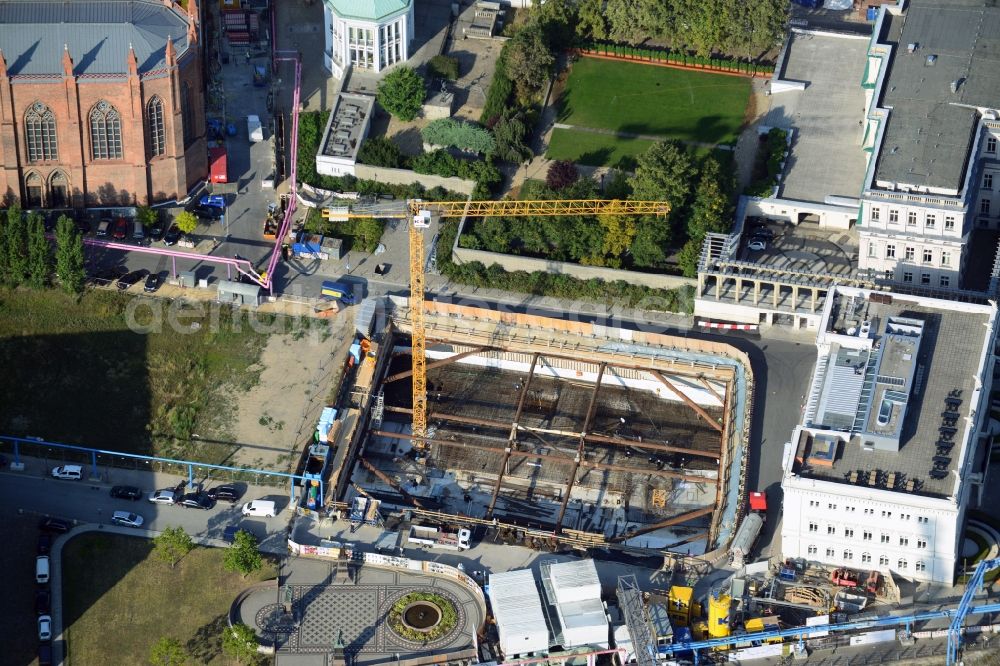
(438, 538)
(338, 291)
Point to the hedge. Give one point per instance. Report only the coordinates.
(675, 58)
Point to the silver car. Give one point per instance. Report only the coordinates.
(126, 519)
(165, 496)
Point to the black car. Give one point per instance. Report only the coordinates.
(156, 230)
(210, 213)
(126, 492)
(83, 226)
(229, 494)
(44, 655)
(44, 543)
(196, 501)
(108, 275)
(126, 281)
(763, 233)
(153, 283)
(43, 602)
(172, 236)
(57, 525)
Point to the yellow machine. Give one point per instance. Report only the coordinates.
(680, 607)
(718, 614)
(761, 624)
(420, 212)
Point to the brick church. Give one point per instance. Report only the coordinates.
(101, 102)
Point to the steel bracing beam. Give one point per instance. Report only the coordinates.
(676, 520)
(591, 410)
(687, 401)
(438, 364)
(565, 459)
(389, 482)
(711, 389)
(512, 439)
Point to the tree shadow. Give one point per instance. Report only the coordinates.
(207, 641)
(598, 157)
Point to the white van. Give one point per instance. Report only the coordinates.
(71, 472)
(42, 569)
(138, 233)
(263, 508)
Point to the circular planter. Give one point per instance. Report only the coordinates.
(421, 616)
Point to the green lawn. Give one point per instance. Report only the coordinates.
(646, 99)
(119, 598)
(593, 149)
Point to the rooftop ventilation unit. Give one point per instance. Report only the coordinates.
(911, 47)
(931, 59)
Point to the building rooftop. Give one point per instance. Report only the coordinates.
(368, 10)
(346, 127)
(930, 131)
(517, 607)
(826, 156)
(97, 34)
(918, 365)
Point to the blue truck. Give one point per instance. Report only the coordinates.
(339, 291)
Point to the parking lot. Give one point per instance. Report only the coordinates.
(804, 247)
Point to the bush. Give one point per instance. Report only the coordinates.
(382, 152)
(402, 93)
(775, 147)
(438, 163)
(449, 132)
(499, 93)
(443, 67)
(449, 617)
(561, 174)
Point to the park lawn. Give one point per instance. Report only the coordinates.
(593, 149)
(75, 372)
(119, 598)
(646, 99)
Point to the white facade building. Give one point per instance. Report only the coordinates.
(931, 136)
(879, 473)
(369, 34)
(573, 590)
(517, 607)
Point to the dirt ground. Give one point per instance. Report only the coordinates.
(277, 417)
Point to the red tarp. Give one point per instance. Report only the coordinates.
(217, 160)
(758, 502)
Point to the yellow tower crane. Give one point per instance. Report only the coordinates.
(420, 214)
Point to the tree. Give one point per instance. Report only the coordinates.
(650, 243)
(402, 93)
(15, 242)
(448, 132)
(591, 22)
(616, 185)
(380, 151)
(173, 544)
(240, 642)
(69, 256)
(147, 216)
(39, 263)
(529, 61)
(510, 132)
(243, 555)
(711, 212)
(619, 233)
(186, 221)
(443, 67)
(557, 19)
(663, 174)
(561, 174)
(167, 652)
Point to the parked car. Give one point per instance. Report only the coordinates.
(44, 543)
(126, 519)
(209, 213)
(261, 508)
(126, 281)
(43, 602)
(42, 569)
(156, 229)
(44, 655)
(44, 628)
(56, 525)
(165, 496)
(762, 232)
(108, 275)
(172, 236)
(126, 492)
(196, 501)
(83, 226)
(104, 226)
(227, 493)
(153, 282)
(68, 472)
(119, 230)
(757, 244)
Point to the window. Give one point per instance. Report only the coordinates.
(920, 566)
(811, 550)
(830, 529)
(848, 555)
(869, 511)
(949, 222)
(904, 516)
(883, 561)
(925, 278)
(930, 221)
(921, 543)
(852, 509)
(830, 552)
(987, 181)
(991, 145)
(105, 132)
(907, 276)
(187, 115)
(946, 258)
(813, 503)
(40, 133)
(848, 532)
(945, 281)
(866, 558)
(866, 535)
(984, 206)
(813, 527)
(887, 274)
(908, 253)
(33, 190)
(904, 541)
(58, 190)
(928, 256)
(875, 214)
(911, 219)
(885, 537)
(922, 519)
(831, 507)
(901, 564)
(890, 251)
(893, 216)
(154, 128)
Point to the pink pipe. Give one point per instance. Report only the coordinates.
(241, 265)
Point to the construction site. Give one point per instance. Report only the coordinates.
(554, 432)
